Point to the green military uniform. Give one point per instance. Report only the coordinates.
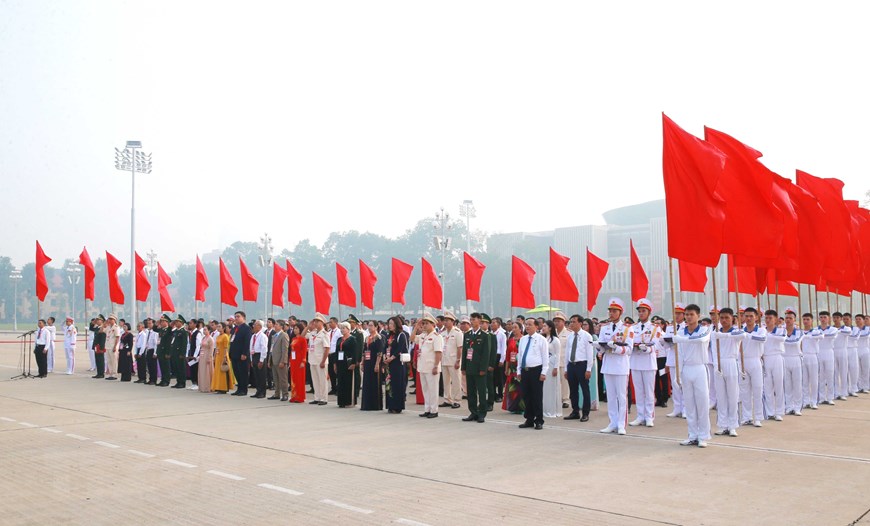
(357, 334)
(476, 348)
(164, 352)
(179, 354)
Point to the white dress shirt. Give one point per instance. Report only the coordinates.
(585, 351)
(141, 340)
(793, 342)
(151, 339)
(259, 343)
(501, 341)
(693, 346)
(42, 337)
(69, 336)
(334, 336)
(538, 353)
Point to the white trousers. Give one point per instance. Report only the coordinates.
(774, 401)
(676, 390)
(617, 399)
(864, 369)
(711, 384)
(841, 372)
(792, 384)
(318, 377)
(452, 384)
(696, 399)
(852, 352)
(92, 357)
(810, 379)
(50, 358)
(644, 394)
(751, 388)
(70, 358)
(728, 389)
(429, 385)
(827, 381)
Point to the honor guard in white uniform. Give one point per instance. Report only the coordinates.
(852, 355)
(774, 348)
(318, 355)
(810, 362)
(841, 357)
(69, 345)
(752, 379)
(643, 364)
(792, 385)
(827, 363)
(450, 370)
(726, 343)
(693, 341)
(670, 362)
(615, 341)
(53, 336)
(863, 353)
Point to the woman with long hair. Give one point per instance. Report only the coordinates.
(395, 346)
(552, 384)
(205, 371)
(345, 363)
(373, 351)
(125, 354)
(513, 395)
(223, 380)
(298, 359)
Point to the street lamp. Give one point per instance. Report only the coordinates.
(466, 210)
(15, 276)
(151, 270)
(136, 161)
(442, 242)
(73, 270)
(265, 262)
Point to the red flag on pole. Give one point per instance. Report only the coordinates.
(367, 281)
(163, 282)
(596, 271)
(522, 275)
(116, 293)
(346, 294)
(228, 286)
(829, 193)
(41, 284)
(473, 275)
(639, 281)
(433, 295)
(143, 284)
(322, 294)
(294, 284)
(201, 281)
(693, 277)
(809, 260)
(401, 273)
(771, 284)
(562, 285)
(279, 276)
(90, 273)
(692, 169)
(250, 285)
(746, 278)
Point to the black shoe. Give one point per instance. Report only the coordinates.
(313, 402)
(139, 382)
(274, 397)
(481, 419)
(564, 405)
(111, 378)
(470, 418)
(321, 403)
(424, 415)
(97, 376)
(432, 415)
(584, 418)
(538, 427)
(161, 384)
(455, 406)
(525, 425)
(151, 383)
(497, 399)
(489, 409)
(572, 416)
(284, 398)
(464, 397)
(259, 396)
(330, 393)
(445, 404)
(176, 386)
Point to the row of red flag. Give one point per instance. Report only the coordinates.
(778, 231)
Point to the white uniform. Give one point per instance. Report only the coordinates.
(792, 385)
(318, 349)
(852, 352)
(89, 341)
(827, 365)
(841, 362)
(563, 345)
(52, 331)
(810, 367)
(774, 348)
(693, 374)
(615, 341)
(864, 359)
(69, 347)
(671, 364)
(430, 345)
(726, 345)
(751, 381)
(450, 374)
(643, 371)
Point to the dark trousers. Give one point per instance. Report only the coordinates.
(499, 379)
(662, 385)
(125, 365)
(259, 374)
(141, 367)
(602, 390)
(357, 384)
(165, 367)
(41, 360)
(194, 370)
(151, 366)
(100, 360)
(476, 387)
(179, 367)
(576, 381)
(490, 389)
(240, 369)
(533, 394)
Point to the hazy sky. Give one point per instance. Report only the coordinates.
(309, 117)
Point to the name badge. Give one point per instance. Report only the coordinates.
(513, 358)
(341, 355)
(368, 355)
(470, 354)
(293, 355)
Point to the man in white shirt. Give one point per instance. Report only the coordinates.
(40, 349)
(69, 345)
(259, 348)
(863, 352)
(670, 362)
(726, 362)
(827, 362)
(501, 348)
(431, 346)
(533, 366)
(693, 342)
(643, 364)
(89, 343)
(53, 336)
(810, 362)
(318, 355)
(615, 342)
(774, 348)
(561, 322)
(752, 379)
(152, 338)
(841, 357)
(792, 385)
(579, 358)
(851, 354)
(334, 336)
(451, 362)
(141, 351)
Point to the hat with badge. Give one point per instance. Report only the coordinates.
(560, 316)
(166, 318)
(351, 318)
(679, 307)
(101, 317)
(449, 315)
(465, 319)
(181, 319)
(320, 317)
(644, 303)
(713, 308)
(113, 318)
(485, 317)
(616, 303)
(427, 316)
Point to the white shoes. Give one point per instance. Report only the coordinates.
(649, 423)
(620, 431)
(797, 413)
(689, 442)
(608, 429)
(636, 422)
(701, 443)
(778, 418)
(732, 433)
(756, 423)
(674, 415)
(814, 406)
(721, 432)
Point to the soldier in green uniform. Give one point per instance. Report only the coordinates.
(493, 361)
(476, 348)
(180, 340)
(356, 333)
(164, 350)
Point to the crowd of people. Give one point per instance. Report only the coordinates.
(749, 366)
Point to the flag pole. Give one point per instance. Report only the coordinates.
(716, 307)
(674, 307)
(828, 296)
(810, 298)
(776, 291)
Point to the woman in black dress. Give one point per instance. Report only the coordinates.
(396, 345)
(373, 351)
(345, 363)
(125, 354)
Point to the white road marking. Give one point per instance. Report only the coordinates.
(225, 475)
(50, 430)
(279, 488)
(7, 419)
(106, 444)
(141, 453)
(409, 522)
(345, 506)
(77, 437)
(27, 424)
(179, 463)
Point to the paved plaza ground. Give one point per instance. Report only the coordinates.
(74, 450)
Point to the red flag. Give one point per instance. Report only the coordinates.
(367, 281)
(294, 285)
(279, 276)
(433, 295)
(829, 192)
(693, 277)
(228, 286)
(41, 284)
(692, 169)
(346, 294)
(143, 284)
(401, 273)
(522, 275)
(116, 293)
(811, 227)
(744, 278)
(322, 294)
(776, 286)
(90, 273)
(473, 275)
(250, 285)
(201, 281)
(596, 271)
(163, 282)
(639, 281)
(562, 285)
(863, 284)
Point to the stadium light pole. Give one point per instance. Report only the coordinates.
(15, 276)
(442, 243)
(265, 262)
(73, 276)
(130, 158)
(467, 210)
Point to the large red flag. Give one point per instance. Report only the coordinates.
(201, 281)
(41, 284)
(116, 293)
(596, 271)
(562, 285)
(864, 242)
(322, 294)
(433, 295)
(367, 281)
(473, 275)
(143, 284)
(829, 192)
(811, 227)
(346, 294)
(772, 285)
(250, 285)
(639, 281)
(743, 278)
(294, 284)
(279, 277)
(693, 277)
(401, 273)
(228, 286)
(163, 282)
(522, 275)
(692, 169)
(90, 273)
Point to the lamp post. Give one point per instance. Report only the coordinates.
(130, 158)
(265, 262)
(151, 270)
(442, 242)
(73, 276)
(467, 210)
(15, 276)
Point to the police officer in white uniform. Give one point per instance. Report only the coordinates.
(69, 344)
(431, 347)
(643, 364)
(450, 362)
(615, 341)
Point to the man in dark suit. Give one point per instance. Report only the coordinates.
(476, 348)
(240, 352)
